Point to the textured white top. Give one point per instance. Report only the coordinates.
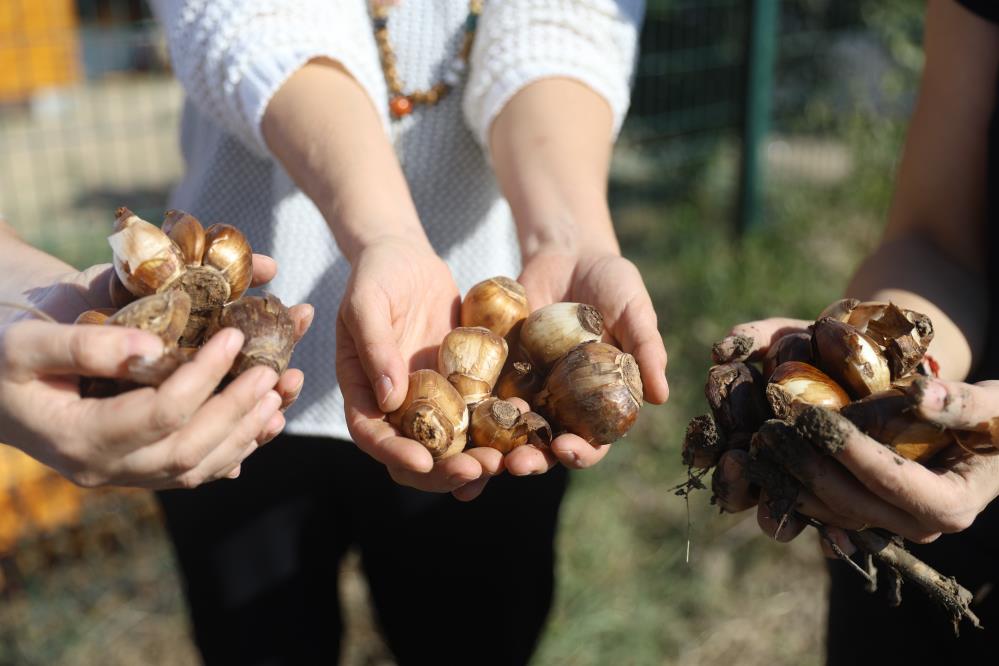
(232, 55)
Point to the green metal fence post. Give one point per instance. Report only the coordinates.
(761, 55)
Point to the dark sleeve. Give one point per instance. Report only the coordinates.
(987, 9)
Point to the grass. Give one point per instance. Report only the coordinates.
(627, 593)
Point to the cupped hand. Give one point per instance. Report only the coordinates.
(860, 483)
(614, 286)
(176, 435)
(399, 304)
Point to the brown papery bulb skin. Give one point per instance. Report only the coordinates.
(145, 259)
(228, 251)
(186, 231)
(163, 314)
(433, 413)
(539, 433)
(850, 357)
(791, 347)
(96, 317)
(497, 304)
(268, 332)
(839, 310)
(519, 381)
(550, 332)
(595, 391)
(904, 334)
(794, 383)
(497, 424)
(887, 417)
(471, 358)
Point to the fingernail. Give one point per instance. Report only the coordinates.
(233, 342)
(234, 474)
(145, 345)
(383, 389)
(265, 383)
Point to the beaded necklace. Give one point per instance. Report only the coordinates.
(401, 103)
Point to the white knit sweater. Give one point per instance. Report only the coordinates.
(232, 55)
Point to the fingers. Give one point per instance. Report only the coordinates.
(446, 476)
(731, 488)
(215, 442)
(470, 491)
(779, 526)
(367, 321)
(637, 330)
(289, 387)
(911, 500)
(36, 347)
(576, 453)
(492, 462)
(529, 460)
(301, 317)
(237, 446)
(264, 270)
(845, 493)
(958, 405)
(751, 341)
(140, 417)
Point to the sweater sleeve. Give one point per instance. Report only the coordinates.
(521, 41)
(231, 56)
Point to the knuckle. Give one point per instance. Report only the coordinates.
(184, 461)
(190, 480)
(167, 417)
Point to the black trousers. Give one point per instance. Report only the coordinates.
(451, 582)
(864, 629)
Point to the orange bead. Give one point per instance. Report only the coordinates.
(400, 106)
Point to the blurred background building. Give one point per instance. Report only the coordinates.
(754, 170)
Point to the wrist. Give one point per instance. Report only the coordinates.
(568, 235)
(358, 231)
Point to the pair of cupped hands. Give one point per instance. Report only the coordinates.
(863, 484)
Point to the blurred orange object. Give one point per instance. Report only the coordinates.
(33, 498)
(38, 47)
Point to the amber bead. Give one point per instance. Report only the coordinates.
(401, 106)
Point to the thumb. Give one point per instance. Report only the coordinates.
(368, 320)
(76, 349)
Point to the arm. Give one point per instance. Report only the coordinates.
(295, 80)
(932, 259)
(548, 102)
(401, 299)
